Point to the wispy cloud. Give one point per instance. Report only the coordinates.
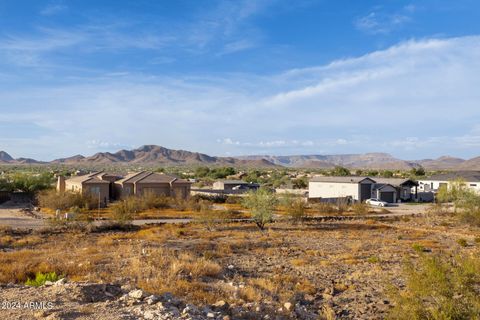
(53, 9)
(377, 21)
(415, 89)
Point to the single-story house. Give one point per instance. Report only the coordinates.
(140, 183)
(331, 189)
(97, 184)
(234, 186)
(406, 189)
(433, 183)
(362, 188)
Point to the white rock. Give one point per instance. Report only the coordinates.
(61, 282)
(136, 294)
(48, 283)
(151, 299)
(149, 314)
(287, 306)
(210, 315)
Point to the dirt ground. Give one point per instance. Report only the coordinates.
(313, 270)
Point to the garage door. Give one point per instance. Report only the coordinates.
(387, 196)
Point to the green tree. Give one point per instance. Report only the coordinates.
(300, 183)
(262, 204)
(340, 171)
(417, 172)
(387, 174)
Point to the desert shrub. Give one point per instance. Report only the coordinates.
(233, 200)
(439, 287)
(325, 208)
(462, 242)
(41, 278)
(152, 201)
(467, 201)
(295, 208)
(262, 204)
(418, 247)
(124, 211)
(373, 259)
(360, 208)
(65, 200)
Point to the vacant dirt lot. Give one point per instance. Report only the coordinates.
(305, 271)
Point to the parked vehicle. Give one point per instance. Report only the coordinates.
(376, 202)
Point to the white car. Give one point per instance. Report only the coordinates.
(376, 202)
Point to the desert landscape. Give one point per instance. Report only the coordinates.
(239, 256)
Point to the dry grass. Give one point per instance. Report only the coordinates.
(193, 262)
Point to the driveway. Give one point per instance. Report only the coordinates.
(12, 216)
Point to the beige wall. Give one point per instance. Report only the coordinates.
(333, 190)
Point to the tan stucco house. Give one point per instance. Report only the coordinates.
(152, 182)
(97, 184)
(109, 187)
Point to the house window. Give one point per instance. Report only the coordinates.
(473, 184)
(127, 190)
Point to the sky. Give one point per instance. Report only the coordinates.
(240, 77)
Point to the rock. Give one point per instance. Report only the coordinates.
(48, 283)
(287, 306)
(230, 267)
(136, 294)
(149, 315)
(210, 315)
(221, 304)
(151, 299)
(61, 282)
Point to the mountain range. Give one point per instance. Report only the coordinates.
(157, 155)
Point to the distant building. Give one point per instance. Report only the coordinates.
(235, 186)
(330, 189)
(433, 183)
(108, 187)
(359, 189)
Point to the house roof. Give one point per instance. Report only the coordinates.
(88, 178)
(133, 177)
(340, 179)
(151, 177)
(396, 181)
(380, 186)
(469, 176)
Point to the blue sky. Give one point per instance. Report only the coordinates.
(240, 77)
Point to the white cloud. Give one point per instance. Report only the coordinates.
(423, 89)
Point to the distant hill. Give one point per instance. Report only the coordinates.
(152, 154)
(472, 164)
(157, 155)
(5, 157)
(442, 163)
(364, 161)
